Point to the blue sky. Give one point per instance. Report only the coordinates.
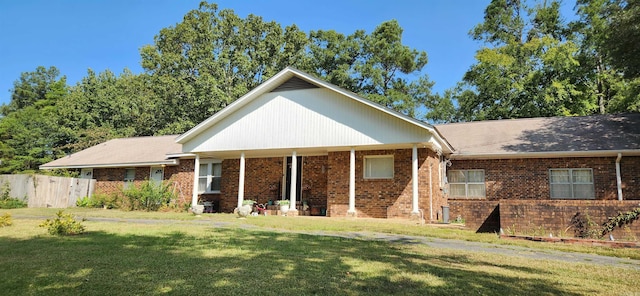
(75, 35)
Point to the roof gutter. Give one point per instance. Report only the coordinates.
(555, 154)
(113, 165)
(618, 177)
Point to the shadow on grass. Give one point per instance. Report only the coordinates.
(244, 262)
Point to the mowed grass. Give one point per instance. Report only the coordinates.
(322, 224)
(180, 258)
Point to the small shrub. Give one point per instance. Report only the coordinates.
(8, 202)
(83, 202)
(5, 220)
(149, 196)
(107, 201)
(63, 224)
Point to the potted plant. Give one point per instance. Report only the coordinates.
(284, 206)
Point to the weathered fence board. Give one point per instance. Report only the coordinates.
(47, 191)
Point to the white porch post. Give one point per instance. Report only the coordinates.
(196, 175)
(241, 181)
(294, 181)
(352, 182)
(414, 177)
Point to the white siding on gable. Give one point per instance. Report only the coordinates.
(305, 119)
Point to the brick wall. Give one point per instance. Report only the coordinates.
(529, 178)
(479, 215)
(383, 198)
(264, 174)
(540, 217)
(314, 174)
(111, 180)
(554, 216)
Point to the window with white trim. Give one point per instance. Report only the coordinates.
(571, 183)
(378, 167)
(466, 184)
(209, 177)
(129, 177)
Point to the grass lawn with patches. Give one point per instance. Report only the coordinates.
(198, 259)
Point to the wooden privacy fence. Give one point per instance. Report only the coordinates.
(47, 191)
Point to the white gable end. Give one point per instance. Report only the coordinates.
(309, 118)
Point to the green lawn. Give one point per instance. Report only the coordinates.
(199, 259)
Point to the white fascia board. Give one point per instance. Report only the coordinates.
(113, 165)
(180, 155)
(555, 154)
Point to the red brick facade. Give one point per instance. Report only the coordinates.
(529, 178)
(518, 193)
(111, 180)
(384, 198)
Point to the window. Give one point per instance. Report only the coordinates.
(209, 177)
(378, 167)
(571, 183)
(466, 183)
(86, 174)
(129, 177)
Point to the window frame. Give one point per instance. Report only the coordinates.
(467, 183)
(364, 167)
(572, 184)
(127, 181)
(210, 175)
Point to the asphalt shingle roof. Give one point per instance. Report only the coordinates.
(122, 151)
(545, 134)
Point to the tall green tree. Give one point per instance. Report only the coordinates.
(105, 105)
(31, 87)
(606, 48)
(30, 133)
(212, 58)
(377, 66)
(526, 68)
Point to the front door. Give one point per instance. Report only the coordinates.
(298, 178)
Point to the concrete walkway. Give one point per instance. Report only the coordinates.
(504, 250)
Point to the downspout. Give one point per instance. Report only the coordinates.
(430, 194)
(618, 177)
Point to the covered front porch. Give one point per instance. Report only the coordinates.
(333, 183)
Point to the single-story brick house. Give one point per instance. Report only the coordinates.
(300, 138)
(293, 137)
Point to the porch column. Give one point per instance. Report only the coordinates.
(294, 181)
(352, 182)
(241, 181)
(414, 177)
(196, 175)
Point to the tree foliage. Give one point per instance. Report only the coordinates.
(531, 63)
(527, 69)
